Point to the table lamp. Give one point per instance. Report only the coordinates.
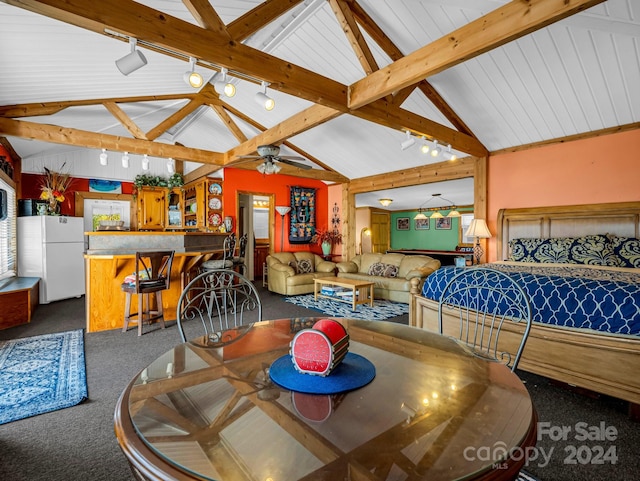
(282, 210)
(478, 229)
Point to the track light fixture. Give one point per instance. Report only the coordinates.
(222, 86)
(450, 154)
(145, 162)
(436, 149)
(171, 166)
(132, 61)
(424, 148)
(408, 142)
(191, 77)
(125, 160)
(263, 99)
(103, 157)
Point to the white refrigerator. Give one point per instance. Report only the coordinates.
(52, 248)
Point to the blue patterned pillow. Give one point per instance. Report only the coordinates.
(595, 250)
(590, 249)
(555, 250)
(626, 250)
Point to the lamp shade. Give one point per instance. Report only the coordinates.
(283, 209)
(478, 228)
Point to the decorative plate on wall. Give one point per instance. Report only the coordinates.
(215, 189)
(215, 203)
(215, 219)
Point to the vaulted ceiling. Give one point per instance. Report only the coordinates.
(349, 79)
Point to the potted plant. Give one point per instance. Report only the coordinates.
(327, 239)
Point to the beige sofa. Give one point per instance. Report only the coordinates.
(286, 272)
(391, 273)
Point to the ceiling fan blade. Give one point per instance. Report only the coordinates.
(295, 164)
(255, 157)
(291, 157)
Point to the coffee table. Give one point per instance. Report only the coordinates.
(361, 291)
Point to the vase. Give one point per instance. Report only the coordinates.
(326, 248)
(53, 208)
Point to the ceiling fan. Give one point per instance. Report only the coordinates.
(270, 154)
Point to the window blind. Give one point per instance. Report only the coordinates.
(8, 234)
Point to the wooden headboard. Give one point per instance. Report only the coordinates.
(621, 219)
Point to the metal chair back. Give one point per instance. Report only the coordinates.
(482, 301)
(217, 300)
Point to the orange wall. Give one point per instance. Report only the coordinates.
(595, 170)
(257, 183)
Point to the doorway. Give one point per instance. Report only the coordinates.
(255, 218)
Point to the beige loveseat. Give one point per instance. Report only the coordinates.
(292, 273)
(390, 273)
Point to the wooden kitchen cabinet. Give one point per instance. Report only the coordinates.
(203, 209)
(152, 207)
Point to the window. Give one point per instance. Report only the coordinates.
(8, 232)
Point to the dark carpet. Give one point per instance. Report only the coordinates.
(79, 444)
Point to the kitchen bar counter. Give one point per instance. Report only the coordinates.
(111, 257)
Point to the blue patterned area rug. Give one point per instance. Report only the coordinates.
(380, 311)
(41, 374)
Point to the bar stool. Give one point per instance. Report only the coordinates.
(228, 250)
(238, 261)
(152, 276)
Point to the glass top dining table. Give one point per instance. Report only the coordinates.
(433, 411)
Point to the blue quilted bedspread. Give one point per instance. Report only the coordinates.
(602, 300)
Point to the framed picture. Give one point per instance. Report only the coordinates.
(443, 223)
(422, 224)
(402, 223)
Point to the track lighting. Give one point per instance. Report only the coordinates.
(103, 157)
(224, 87)
(132, 61)
(191, 77)
(263, 99)
(171, 166)
(145, 162)
(450, 154)
(408, 142)
(424, 148)
(436, 149)
(125, 160)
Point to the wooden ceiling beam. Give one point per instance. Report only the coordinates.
(174, 118)
(256, 18)
(206, 16)
(49, 108)
(125, 120)
(92, 140)
(505, 24)
(350, 28)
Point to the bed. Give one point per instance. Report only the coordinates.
(568, 342)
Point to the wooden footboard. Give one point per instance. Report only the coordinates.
(602, 363)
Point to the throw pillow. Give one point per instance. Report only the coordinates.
(294, 266)
(626, 251)
(383, 270)
(305, 266)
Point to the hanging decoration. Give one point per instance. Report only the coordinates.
(303, 215)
